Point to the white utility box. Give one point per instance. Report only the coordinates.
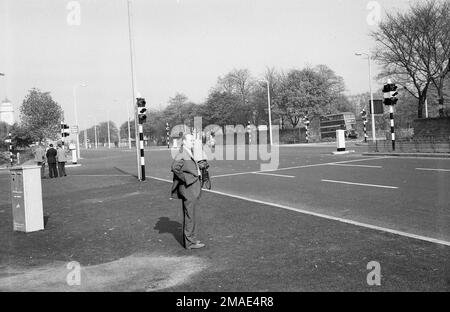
(26, 199)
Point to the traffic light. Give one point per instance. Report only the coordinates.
(167, 127)
(364, 114)
(306, 120)
(65, 132)
(394, 94)
(141, 110)
(8, 141)
(390, 93)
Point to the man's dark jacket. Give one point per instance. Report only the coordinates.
(186, 180)
(51, 155)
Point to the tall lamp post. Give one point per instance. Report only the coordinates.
(269, 110)
(95, 130)
(372, 115)
(109, 135)
(129, 132)
(76, 114)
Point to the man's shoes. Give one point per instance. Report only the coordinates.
(196, 246)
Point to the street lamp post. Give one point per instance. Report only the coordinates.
(269, 110)
(129, 131)
(95, 130)
(95, 133)
(372, 115)
(85, 137)
(76, 115)
(109, 136)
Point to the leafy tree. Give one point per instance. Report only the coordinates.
(21, 136)
(4, 130)
(308, 92)
(40, 116)
(223, 108)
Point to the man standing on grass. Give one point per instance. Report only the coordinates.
(62, 159)
(187, 187)
(39, 158)
(51, 160)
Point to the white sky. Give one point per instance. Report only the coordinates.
(181, 46)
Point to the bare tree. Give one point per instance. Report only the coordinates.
(238, 82)
(413, 48)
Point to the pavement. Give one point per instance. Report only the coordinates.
(290, 229)
(405, 154)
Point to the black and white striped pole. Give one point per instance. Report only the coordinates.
(390, 98)
(306, 122)
(364, 118)
(168, 134)
(141, 119)
(8, 140)
(391, 117)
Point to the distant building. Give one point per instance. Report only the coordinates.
(7, 112)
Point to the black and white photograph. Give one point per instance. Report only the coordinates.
(224, 153)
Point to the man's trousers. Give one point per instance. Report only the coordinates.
(189, 223)
(52, 172)
(62, 168)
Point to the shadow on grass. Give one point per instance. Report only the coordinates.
(165, 225)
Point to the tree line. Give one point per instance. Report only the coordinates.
(240, 98)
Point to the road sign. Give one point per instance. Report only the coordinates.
(74, 129)
(377, 107)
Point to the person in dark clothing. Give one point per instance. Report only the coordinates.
(51, 160)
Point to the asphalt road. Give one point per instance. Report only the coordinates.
(407, 195)
(282, 230)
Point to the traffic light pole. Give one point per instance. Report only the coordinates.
(365, 130)
(62, 133)
(168, 135)
(9, 141)
(141, 147)
(391, 116)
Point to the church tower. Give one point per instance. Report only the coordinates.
(7, 112)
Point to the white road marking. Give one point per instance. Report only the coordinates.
(324, 216)
(99, 175)
(298, 167)
(363, 166)
(431, 169)
(362, 184)
(71, 166)
(275, 175)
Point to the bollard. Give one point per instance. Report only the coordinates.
(340, 140)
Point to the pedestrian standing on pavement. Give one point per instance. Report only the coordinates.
(187, 187)
(51, 160)
(39, 158)
(62, 159)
